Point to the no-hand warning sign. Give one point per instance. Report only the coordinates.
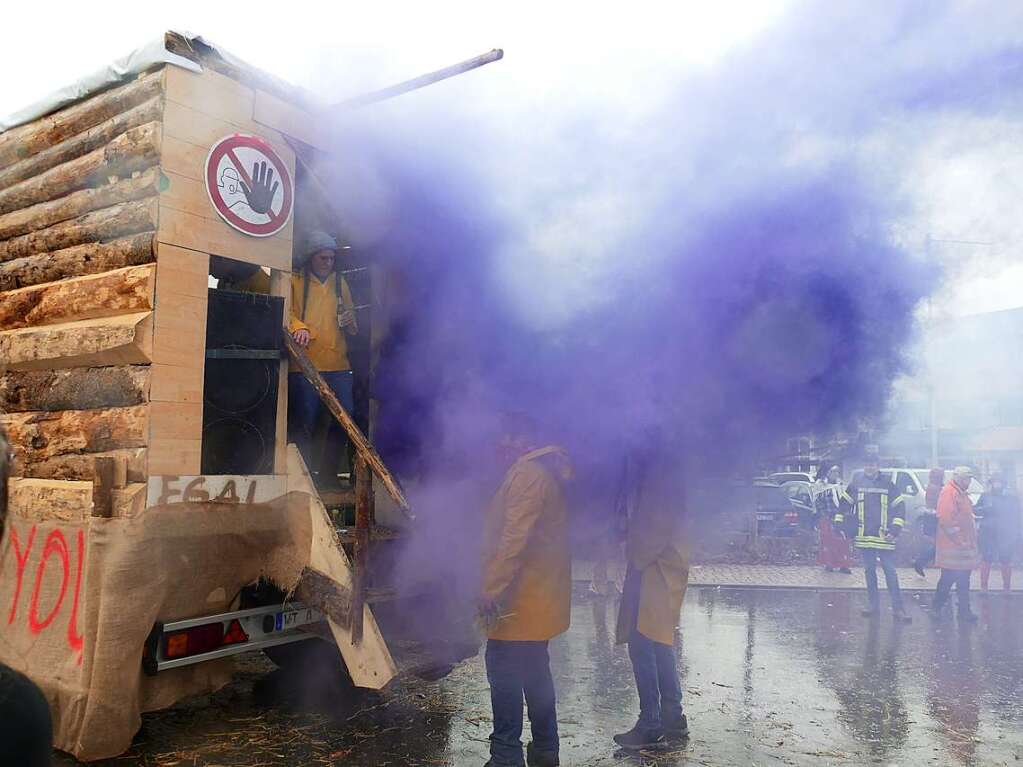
(249, 185)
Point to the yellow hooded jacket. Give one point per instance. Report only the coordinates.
(527, 565)
(328, 347)
(658, 554)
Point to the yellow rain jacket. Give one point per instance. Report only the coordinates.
(328, 347)
(527, 562)
(658, 556)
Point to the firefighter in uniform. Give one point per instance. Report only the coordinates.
(873, 513)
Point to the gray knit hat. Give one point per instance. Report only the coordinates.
(317, 241)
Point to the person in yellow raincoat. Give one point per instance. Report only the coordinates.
(322, 318)
(526, 594)
(651, 606)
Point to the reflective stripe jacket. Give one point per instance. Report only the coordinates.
(870, 509)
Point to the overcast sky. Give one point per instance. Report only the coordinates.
(566, 56)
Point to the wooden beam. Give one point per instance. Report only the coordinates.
(110, 223)
(23, 391)
(47, 500)
(103, 488)
(82, 143)
(327, 595)
(123, 340)
(420, 82)
(38, 436)
(360, 578)
(18, 222)
(134, 150)
(121, 291)
(77, 261)
(34, 137)
(82, 467)
(362, 445)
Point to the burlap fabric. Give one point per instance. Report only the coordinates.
(78, 599)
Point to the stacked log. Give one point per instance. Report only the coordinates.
(78, 221)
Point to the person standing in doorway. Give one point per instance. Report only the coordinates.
(873, 514)
(322, 319)
(956, 544)
(655, 585)
(1000, 524)
(526, 594)
(834, 548)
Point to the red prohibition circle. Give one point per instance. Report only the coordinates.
(226, 146)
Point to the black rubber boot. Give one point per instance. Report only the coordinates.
(638, 738)
(536, 758)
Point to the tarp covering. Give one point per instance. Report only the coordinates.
(78, 599)
(142, 59)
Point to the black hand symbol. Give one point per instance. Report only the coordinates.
(261, 194)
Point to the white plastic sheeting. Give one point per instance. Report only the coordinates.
(139, 60)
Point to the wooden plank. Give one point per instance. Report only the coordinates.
(82, 467)
(182, 271)
(129, 501)
(181, 421)
(78, 260)
(276, 113)
(360, 578)
(280, 285)
(217, 238)
(210, 93)
(194, 127)
(74, 388)
(121, 291)
(220, 488)
(134, 150)
(34, 137)
(82, 143)
(369, 662)
(19, 222)
(123, 340)
(361, 444)
(175, 456)
(184, 159)
(187, 195)
(38, 436)
(103, 488)
(173, 383)
(180, 331)
(48, 500)
(110, 223)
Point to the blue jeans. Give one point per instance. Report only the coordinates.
(305, 406)
(887, 559)
(660, 692)
(518, 670)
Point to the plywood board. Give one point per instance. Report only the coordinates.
(369, 663)
(274, 112)
(174, 421)
(182, 271)
(186, 124)
(211, 93)
(173, 383)
(187, 230)
(175, 456)
(219, 488)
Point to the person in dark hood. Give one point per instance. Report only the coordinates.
(1000, 523)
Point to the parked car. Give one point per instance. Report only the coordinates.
(912, 485)
(783, 510)
(781, 477)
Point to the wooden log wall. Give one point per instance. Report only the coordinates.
(79, 216)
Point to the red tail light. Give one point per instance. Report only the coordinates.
(792, 517)
(200, 639)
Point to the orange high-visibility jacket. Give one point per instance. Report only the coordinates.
(956, 540)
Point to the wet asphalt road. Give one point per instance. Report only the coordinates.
(772, 677)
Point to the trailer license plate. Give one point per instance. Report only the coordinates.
(294, 618)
